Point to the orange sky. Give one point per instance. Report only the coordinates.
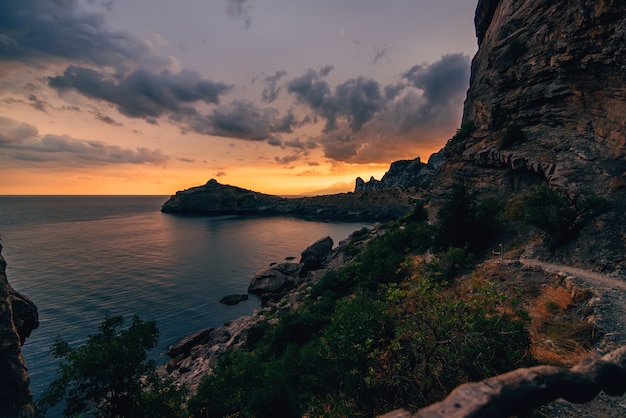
(120, 98)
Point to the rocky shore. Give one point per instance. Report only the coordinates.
(282, 287)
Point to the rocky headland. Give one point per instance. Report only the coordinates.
(18, 317)
(215, 199)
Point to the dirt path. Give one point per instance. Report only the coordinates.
(610, 319)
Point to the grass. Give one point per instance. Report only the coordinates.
(559, 336)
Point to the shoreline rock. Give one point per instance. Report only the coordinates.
(281, 288)
(18, 318)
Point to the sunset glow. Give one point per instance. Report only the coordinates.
(141, 97)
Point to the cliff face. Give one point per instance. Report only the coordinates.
(547, 104)
(555, 70)
(18, 317)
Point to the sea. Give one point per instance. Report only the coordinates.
(83, 258)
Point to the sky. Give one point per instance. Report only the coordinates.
(278, 96)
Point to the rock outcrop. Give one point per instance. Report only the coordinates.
(18, 317)
(403, 174)
(214, 199)
(522, 389)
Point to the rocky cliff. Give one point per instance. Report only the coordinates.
(547, 104)
(404, 174)
(547, 93)
(18, 317)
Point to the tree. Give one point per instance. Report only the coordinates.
(561, 214)
(110, 375)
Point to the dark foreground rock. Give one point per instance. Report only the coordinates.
(18, 317)
(517, 391)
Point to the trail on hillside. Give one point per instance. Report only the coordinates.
(610, 317)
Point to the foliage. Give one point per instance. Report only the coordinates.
(463, 132)
(105, 376)
(449, 265)
(513, 134)
(465, 222)
(558, 213)
(373, 336)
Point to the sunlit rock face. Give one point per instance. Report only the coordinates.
(18, 317)
(556, 70)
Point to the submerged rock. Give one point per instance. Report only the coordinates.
(233, 299)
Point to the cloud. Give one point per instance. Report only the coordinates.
(21, 141)
(441, 81)
(271, 90)
(244, 120)
(143, 94)
(13, 132)
(104, 118)
(35, 31)
(367, 123)
(380, 54)
(239, 10)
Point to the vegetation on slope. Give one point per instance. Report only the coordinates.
(395, 328)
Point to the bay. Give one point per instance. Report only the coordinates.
(82, 258)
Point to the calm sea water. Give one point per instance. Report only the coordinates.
(80, 258)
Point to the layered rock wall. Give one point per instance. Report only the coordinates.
(555, 69)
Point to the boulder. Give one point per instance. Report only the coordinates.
(314, 256)
(233, 299)
(277, 279)
(185, 345)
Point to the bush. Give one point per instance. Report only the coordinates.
(465, 222)
(559, 214)
(449, 265)
(463, 132)
(105, 376)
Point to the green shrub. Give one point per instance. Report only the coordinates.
(450, 264)
(463, 132)
(106, 375)
(465, 222)
(559, 214)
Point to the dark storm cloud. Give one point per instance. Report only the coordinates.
(356, 100)
(271, 90)
(244, 120)
(143, 94)
(21, 141)
(102, 63)
(369, 123)
(443, 80)
(34, 30)
(239, 10)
